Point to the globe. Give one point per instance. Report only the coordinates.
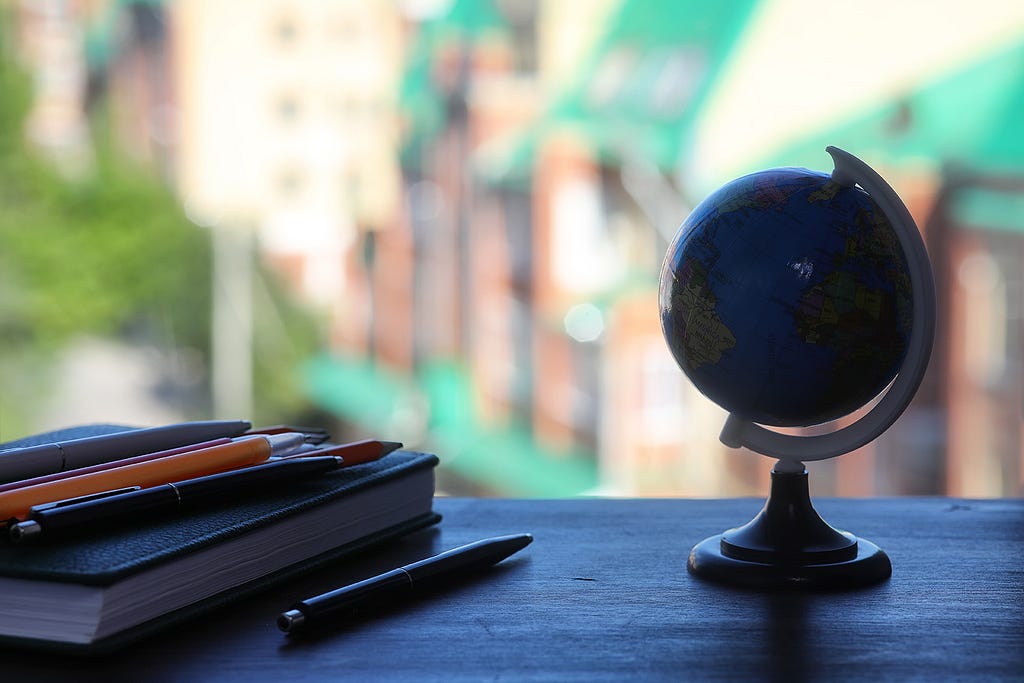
(786, 298)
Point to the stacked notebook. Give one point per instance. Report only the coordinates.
(103, 589)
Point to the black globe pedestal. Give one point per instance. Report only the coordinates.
(789, 545)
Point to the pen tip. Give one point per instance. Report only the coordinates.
(510, 544)
(506, 546)
(389, 446)
(314, 437)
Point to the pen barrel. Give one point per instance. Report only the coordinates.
(42, 459)
(91, 451)
(31, 461)
(99, 467)
(129, 507)
(255, 479)
(401, 583)
(180, 496)
(451, 565)
(246, 451)
(379, 591)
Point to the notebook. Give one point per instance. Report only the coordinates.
(102, 590)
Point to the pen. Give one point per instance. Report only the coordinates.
(54, 518)
(354, 453)
(109, 465)
(400, 583)
(242, 451)
(33, 461)
(314, 435)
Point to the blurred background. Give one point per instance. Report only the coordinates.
(442, 221)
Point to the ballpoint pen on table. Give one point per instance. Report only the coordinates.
(242, 451)
(353, 453)
(55, 518)
(399, 583)
(21, 483)
(33, 461)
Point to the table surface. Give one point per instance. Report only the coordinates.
(602, 594)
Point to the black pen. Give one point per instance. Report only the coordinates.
(400, 583)
(131, 504)
(59, 456)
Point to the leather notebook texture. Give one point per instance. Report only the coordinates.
(103, 589)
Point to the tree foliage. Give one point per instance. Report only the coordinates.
(98, 255)
(110, 254)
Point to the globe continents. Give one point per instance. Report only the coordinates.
(785, 297)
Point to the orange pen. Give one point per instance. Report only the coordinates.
(67, 474)
(241, 452)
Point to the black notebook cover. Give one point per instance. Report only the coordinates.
(102, 559)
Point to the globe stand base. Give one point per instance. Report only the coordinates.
(788, 545)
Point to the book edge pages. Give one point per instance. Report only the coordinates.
(79, 614)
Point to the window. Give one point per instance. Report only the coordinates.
(290, 182)
(288, 108)
(286, 30)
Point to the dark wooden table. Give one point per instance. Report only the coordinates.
(603, 595)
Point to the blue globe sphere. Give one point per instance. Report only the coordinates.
(786, 298)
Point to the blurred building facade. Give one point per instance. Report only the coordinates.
(286, 126)
(477, 194)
